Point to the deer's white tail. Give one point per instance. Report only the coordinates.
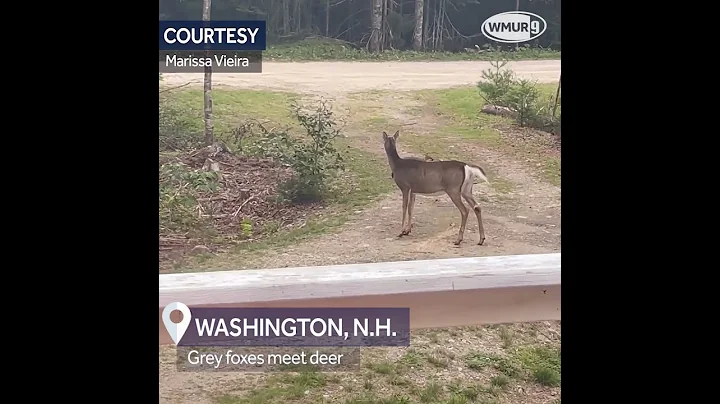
(472, 172)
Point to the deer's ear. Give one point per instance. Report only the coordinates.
(396, 134)
(385, 135)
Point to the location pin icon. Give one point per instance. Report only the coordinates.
(176, 330)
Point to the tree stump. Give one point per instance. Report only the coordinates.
(217, 148)
(211, 165)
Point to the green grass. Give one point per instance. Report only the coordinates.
(376, 123)
(506, 335)
(383, 368)
(542, 363)
(462, 105)
(231, 107)
(430, 393)
(322, 49)
(437, 361)
(279, 389)
(538, 364)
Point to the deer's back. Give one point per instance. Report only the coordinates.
(428, 177)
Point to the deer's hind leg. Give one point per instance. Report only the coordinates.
(455, 196)
(468, 196)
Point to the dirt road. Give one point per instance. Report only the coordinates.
(345, 77)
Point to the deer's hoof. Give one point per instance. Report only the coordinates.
(457, 242)
(482, 240)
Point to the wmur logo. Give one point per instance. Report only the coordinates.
(514, 27)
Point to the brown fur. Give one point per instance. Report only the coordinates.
(415, 176)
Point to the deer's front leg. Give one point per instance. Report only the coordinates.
(411, 205)
(406, 197)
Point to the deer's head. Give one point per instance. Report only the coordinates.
(390, 141)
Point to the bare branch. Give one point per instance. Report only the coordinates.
(174, 88)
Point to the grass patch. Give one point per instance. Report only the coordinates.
(468, 393)
(430, 393)
(506, 335)
(383, 368)
(317, 49)
(411, 358)
(368, 385)
(551, 169)
(538, 364)
(437, 361)
(446, 353)
(372, 399)
(479, 360)
(462, 105)
(501, 185)
(396, 380)
(541, 362)
(231, 107)
(376, 123)
(279, 389)
(500, 381)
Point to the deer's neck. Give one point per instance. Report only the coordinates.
(393, 158)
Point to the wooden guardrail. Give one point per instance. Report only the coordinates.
(439, 293)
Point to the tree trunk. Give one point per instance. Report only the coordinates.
(286, 16)
(557, 97)
(383, 26)
(207, 85)
(426, 23)
(417, 41)
(376, 23)
(327, 18)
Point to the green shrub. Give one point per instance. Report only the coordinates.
(312, 156)
(497, 84)
(501, 87)
(522, 98)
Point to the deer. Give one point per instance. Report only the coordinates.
(430, 177)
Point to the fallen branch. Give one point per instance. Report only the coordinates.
(557, 98)
(497, 110)
(241, 205)
(174, 88)
(212, 199)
